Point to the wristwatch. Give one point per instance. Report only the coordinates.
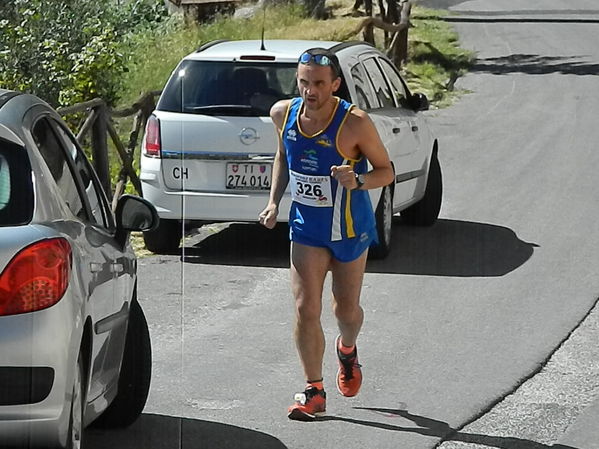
(359, 180)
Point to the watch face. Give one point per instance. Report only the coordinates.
(360, 180)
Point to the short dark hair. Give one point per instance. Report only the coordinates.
(320, 51)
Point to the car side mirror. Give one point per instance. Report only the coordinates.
(134, 213)
(419, 102)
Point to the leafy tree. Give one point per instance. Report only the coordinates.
(70, 50)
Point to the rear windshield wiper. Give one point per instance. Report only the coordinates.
(243, 109)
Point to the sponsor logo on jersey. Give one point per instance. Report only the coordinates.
(324, 141)
(309, 160)
(291, 135)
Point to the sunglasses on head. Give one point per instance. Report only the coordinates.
(323, 60)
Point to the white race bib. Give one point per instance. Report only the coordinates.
(310, 190)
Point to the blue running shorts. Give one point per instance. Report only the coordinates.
(346, 250)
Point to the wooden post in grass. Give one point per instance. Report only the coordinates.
(400, 49)
(100, 147)
(397, 50)
(142, 109)
(99, 122)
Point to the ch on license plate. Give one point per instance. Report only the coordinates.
(248, 176)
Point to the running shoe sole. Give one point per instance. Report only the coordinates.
(298, 415)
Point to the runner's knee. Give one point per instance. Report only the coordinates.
(347, 311)
(308, 310)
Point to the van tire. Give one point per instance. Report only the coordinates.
(166, 238)
(384, 222)
(426, 211)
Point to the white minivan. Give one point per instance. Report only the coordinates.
(209, 146)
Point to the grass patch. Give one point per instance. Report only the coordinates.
(155, 55)
(435, 60)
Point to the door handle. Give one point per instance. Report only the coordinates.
(396, 130)
(116, 268)
(414, 128)
(95, 267)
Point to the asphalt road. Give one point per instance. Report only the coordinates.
(457, 317)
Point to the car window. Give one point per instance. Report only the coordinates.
(381, 88)
(228, 88)
(16, 186)
(55, 157)
(397, 87)
(364, 96)
(91, 185)
(5, 189)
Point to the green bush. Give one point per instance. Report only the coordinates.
(71, 50)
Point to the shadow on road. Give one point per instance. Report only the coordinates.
(168, 432)
(449, 248)
(434, 428)
(454, 248)
(535, 65)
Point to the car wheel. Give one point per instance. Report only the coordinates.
(75, 433)
(426, 211)
(165, 238)
(135, 375)
(384, 222)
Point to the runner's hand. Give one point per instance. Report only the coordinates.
(344, 176)
(268, 217)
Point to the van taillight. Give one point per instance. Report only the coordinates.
(151, 145)
(36, 278)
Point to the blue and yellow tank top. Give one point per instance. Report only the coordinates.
(321, 208)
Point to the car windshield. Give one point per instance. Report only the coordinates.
(228, 88)
(16, 187)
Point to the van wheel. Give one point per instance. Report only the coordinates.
(384, 222)
(165, 238)
(426, 211)
(135, 375)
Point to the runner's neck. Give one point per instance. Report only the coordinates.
(314, 122)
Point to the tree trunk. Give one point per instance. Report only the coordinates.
(315, 8)
(392, 11)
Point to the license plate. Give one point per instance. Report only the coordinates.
(248, 176)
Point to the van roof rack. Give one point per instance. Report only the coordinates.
(342, 45)
(207, 45)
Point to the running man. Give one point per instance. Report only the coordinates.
(324, 146)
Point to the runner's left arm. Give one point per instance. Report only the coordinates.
(367, 140)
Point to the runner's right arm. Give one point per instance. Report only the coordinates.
(280, 171)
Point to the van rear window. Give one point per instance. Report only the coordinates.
(16, 186)
(228, 88)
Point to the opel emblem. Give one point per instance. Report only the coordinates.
(248, 136)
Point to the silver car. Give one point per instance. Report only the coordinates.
(74, 343)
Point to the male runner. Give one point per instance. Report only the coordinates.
(324, 146)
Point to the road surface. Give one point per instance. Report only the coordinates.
(457, 317)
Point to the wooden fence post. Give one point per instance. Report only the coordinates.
(100, 147)
(400, 53)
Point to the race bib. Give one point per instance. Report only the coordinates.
(310, 190)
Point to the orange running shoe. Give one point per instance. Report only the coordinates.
(308, 405)
(349, 375)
